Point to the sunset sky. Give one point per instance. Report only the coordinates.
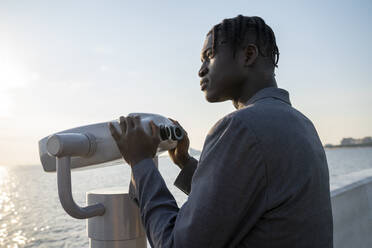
(70, 63)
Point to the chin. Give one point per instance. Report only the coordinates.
(212, 97)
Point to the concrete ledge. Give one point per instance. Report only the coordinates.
(352, 211)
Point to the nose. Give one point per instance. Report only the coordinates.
(203, 70)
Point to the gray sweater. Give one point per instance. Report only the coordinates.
(262, 181)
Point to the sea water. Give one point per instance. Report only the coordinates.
(31, 215)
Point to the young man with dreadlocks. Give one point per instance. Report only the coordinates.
(262, 178)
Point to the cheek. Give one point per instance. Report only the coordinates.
(222, 66)
(211, 66)
(215, 70)
(219, 72)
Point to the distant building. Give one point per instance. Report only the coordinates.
(367, 140)
(347, 141)
(353, 142)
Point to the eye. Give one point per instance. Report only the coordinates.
(209, 54)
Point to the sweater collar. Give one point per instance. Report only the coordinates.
(270, 92)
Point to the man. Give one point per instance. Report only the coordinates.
(262, 178)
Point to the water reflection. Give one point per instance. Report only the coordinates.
(31, 214)
(11, 233)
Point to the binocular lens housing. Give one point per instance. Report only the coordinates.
(170, 133)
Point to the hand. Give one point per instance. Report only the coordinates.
(180, 154)
(133, 143)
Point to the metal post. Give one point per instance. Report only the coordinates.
(121, 224)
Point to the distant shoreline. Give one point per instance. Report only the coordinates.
(348, 146)
(352, 142)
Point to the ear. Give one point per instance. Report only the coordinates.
(250, 54)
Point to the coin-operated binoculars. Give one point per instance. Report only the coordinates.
(113, 219)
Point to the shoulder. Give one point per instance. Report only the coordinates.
(231, 134)
(255, 120)
(240, 118)
(235, 122)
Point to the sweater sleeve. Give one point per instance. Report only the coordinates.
(183, 180)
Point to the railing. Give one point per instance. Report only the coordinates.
(352, 214)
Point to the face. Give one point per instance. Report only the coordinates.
(221, 75)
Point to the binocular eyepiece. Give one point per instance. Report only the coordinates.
(170, 133)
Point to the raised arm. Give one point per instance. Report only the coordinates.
(181, 157)
(227, 197)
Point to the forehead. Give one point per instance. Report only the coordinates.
(207, 42)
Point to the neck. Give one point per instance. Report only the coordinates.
(250, 88)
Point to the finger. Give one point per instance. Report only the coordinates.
(114, 133)
(174, 121)
(171, 152)
(123, 125)
(155, 130)
(137, 122)
(130, 123)
(179, 125)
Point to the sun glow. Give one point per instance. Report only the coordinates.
(4, 105)
(13, 75)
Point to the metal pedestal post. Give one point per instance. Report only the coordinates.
(120, 226)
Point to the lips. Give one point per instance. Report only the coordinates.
(204, 83)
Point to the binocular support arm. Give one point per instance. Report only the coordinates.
(65, 193)
(63, 146)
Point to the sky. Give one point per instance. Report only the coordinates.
(65, 64)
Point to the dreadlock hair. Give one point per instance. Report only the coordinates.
(236, 31)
